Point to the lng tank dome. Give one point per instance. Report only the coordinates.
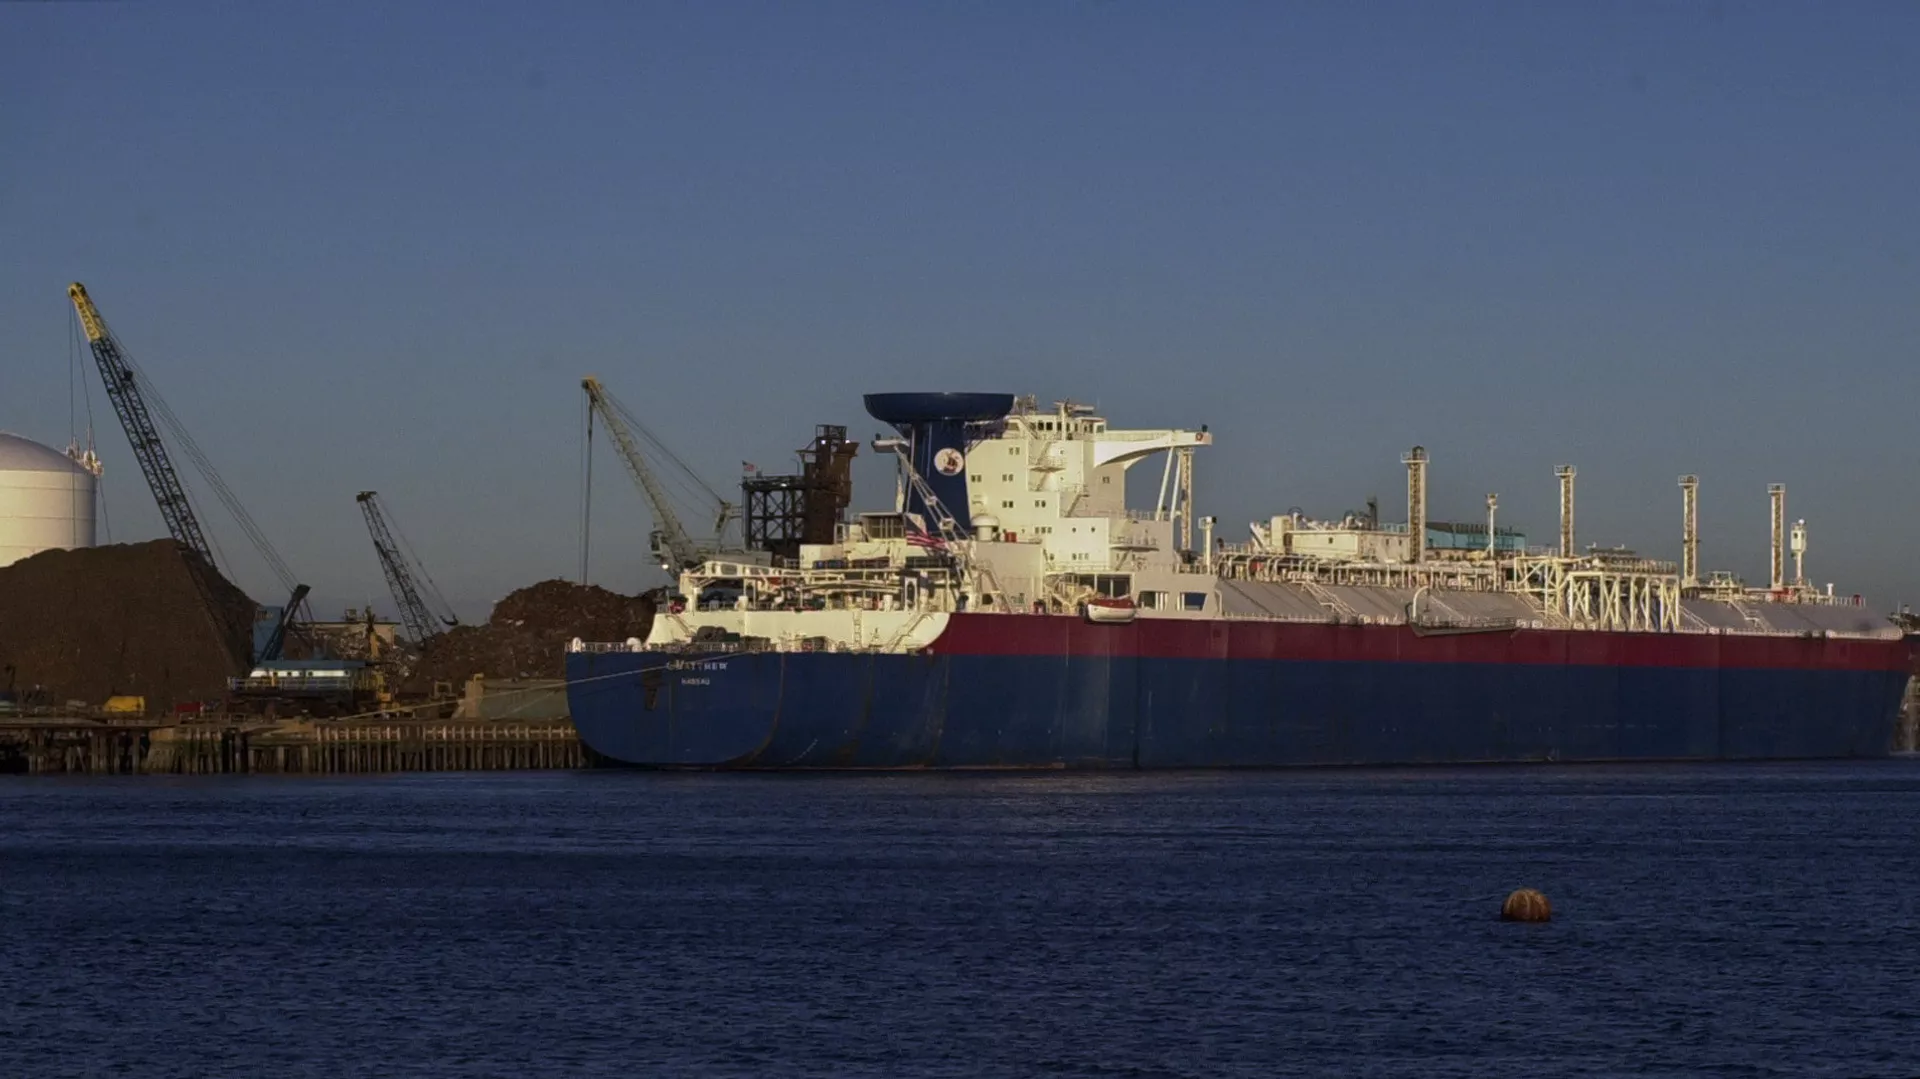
(46, 500)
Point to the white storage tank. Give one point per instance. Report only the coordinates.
(46, 500)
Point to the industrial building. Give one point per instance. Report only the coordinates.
(46, 498)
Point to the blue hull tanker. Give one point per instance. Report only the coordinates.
(1011, 611)
(1114, 704)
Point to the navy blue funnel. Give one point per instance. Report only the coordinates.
(941, 427)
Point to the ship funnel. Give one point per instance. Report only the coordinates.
(939, 428)
(1777, 494)
(1690, 531)
(1566, 473)
(1416, 462)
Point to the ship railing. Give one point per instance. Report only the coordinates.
(703, 647)
(1479, 622)
(1329, 619)
(1133, 436)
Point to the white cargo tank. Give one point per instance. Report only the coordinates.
(46, 500)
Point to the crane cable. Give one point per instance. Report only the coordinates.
(586, 489)
(695, 493)
(446, 612)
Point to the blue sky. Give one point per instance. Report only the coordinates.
(376, 245)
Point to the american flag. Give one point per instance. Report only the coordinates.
(920, 537)
(748, 466)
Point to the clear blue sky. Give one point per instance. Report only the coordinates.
(376, 245)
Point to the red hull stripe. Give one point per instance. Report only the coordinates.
(1029, 635)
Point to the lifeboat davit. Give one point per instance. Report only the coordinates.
(1111, 609)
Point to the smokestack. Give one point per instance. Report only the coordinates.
(1493, 507)
(1689, 531)
(1565, 472)
(1777, 492)
(1799, 541)
(1416, 462)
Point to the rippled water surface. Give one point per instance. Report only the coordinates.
(1723, 920)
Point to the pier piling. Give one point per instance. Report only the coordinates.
(89, 747)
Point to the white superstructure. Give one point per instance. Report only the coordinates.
(46, 498)
(1051, 533)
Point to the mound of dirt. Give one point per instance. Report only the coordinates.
(121, 619)
(527, 635)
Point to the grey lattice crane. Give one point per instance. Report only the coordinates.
(123, 383)
(123, 390)
(404, 575)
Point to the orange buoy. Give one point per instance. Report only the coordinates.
(1526, 905)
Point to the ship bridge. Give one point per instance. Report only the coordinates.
(1048, 473)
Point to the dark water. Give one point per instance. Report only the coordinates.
(1709, 920)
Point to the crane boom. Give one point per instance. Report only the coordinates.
(677, 546)
(402, 580)
(124, 391)
(276, 644)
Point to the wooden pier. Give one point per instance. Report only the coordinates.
(305, 747)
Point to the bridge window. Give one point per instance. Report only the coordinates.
(1193, 601)
(881, 526)
(1110, 585)
(1153, 601)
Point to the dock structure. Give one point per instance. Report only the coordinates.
(43, 746)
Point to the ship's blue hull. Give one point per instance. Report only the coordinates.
(848, 710)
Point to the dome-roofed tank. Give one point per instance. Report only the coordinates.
(46, 500)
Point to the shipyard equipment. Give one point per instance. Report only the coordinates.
(409, 583)
(276, 643)
(137, 405)
(675, 548)
(123, 389)
(784, 512)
